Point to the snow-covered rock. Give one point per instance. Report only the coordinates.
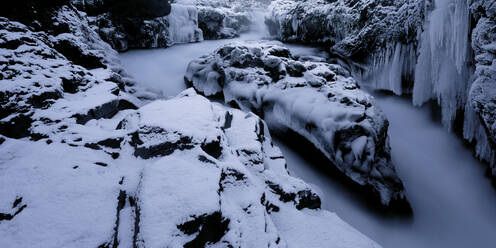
(424, 47)
(221, 19)
(82, 166)
(319, 101)
(483, 91)
(188, 173)
(141, 29)
(48, 77)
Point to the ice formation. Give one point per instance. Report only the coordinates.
(183, 25)
(443, 70)
(418, 47)
(150, 30)
(319, 101)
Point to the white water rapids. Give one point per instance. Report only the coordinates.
(454, 204)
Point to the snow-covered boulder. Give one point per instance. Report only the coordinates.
(319, 101)
(50, 78)
(190, 173)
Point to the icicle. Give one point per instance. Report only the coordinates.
(442, 69)
(390, 67)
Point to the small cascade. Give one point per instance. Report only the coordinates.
(183, 25)
(391, 68)
(444, 71)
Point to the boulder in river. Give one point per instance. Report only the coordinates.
(317, 100)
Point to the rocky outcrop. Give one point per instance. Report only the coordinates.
(319, 101)
(41, 70)
(204, 174)
(142, 24)
(353, 29)
(222, 23)
(484, 87)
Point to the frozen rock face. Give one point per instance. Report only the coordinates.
(381, 35)
(354, 29)
(206, 174)
(225, 18)
(426, 48)
(319, 101)
(41, 70)
(144, 28)
(483, 91)
(125, 8)
(223, 23)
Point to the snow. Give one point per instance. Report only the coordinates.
(100, 171)
(64, 206)
(93, 199)
(310, 98)
(199, 123)
(452, 199)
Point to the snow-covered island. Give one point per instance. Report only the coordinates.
(93, 156)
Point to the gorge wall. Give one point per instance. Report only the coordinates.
(441, 50)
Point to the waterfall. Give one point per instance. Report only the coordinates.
(443, 68)
(444, 71)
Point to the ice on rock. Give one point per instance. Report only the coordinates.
(391, 69)
(183, 24)
(482, 92)
(220, 19)
(152, 25)
(319, 101)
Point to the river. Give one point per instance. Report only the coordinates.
(453, 202)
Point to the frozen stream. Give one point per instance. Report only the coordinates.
(454, 204)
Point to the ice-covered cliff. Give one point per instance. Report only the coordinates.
(142, 29)
(419, 47)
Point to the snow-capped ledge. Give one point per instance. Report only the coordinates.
(319, 101)
(190, 173)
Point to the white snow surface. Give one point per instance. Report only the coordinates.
(78, 201)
